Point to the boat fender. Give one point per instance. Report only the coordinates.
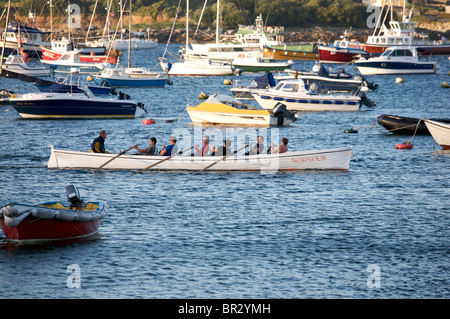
(82, 217)
(169, 82)
(66, 216)
(405, 146)
(89, 78)
(203, 96)
(44, 213)
(445, 85)
(14, 221)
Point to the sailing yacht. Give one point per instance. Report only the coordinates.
(130, 77)
(188, 67)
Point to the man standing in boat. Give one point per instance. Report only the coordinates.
(98, 145)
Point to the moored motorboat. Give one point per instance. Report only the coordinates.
(396, 60)
(261, 82)
(15, 63)
(225, 110)
(70, 60)
(405, 125)
(253, 64)
(80, 104)
(23, 223)
(440, 132)
(292, 53)
(130, 77)
(298, 96)
(342, 51)
(324, 159)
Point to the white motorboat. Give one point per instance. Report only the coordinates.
(324, 159)
(298, 96)
(396, 60)
(16, 63)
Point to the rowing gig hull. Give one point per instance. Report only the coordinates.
(326, 159)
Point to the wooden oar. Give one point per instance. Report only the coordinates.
(112, 159)
(224, 157)
(167, 158)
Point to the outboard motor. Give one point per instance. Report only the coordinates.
(366, 100)
(73, 195)
(371, 85)
(281, 111)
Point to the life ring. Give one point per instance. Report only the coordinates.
(241, 56)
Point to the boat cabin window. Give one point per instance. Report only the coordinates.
(65, 57)
(290, 87)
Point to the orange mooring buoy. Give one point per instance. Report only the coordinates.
(404, 146)
(148, 121)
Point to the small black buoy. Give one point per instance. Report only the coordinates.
(351, 131)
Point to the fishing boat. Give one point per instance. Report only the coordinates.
(25, 39)
(324, 159)
(224, 110)
(440, 132)
(24, 224)
(16, 63)
(308, 52)
(262, 82)
(396, 60)
(71, 59)
(130, 77)
(342, 51)
(401, 33)
(95, 54)
(81, 103)
(253, 64)
(405, 125)
(248, 41)
(298, 96)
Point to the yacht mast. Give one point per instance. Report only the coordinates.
(129, 39)
(4, 37)
(217, 21)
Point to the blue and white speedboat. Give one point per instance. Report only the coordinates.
(130, 77)
(301, 97)
(79, 103)
(396, 60)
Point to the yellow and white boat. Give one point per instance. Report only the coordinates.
(225, 110)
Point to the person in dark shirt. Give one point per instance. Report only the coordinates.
(258, 148)
(151, 150)
(170, 149)
(222, 150)
(98, 145)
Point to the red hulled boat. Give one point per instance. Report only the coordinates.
(52, 220)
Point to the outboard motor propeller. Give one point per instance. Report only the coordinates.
(73, 195)
(281, 111)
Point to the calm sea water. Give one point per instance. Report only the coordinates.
(379, 230)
